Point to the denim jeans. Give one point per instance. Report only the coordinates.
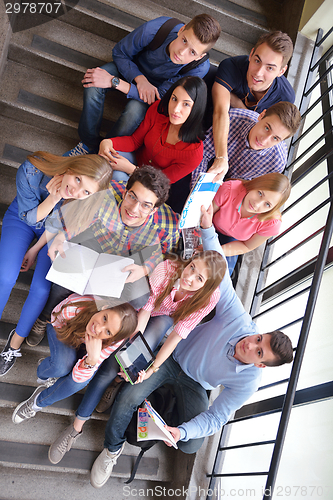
(59, 364)
(223, 239)
(118, 175)
(154, 333)
(16, 237)
(191, 399)
(92, 114)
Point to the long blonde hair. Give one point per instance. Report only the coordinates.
(77, 213)
(216, 267)
(270, 182)
(94, 166)
(73, 330)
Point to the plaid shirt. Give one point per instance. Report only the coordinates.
(116, 238)
(244, 162)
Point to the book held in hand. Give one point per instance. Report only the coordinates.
(202, 193)
(85, 271)
(151, 426)
(133, 356)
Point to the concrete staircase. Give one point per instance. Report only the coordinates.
(40, 105)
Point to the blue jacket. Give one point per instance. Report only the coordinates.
(31, 191)
(206, 356)
(155, 65)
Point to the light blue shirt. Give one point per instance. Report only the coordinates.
(206, 356)
(155, 65)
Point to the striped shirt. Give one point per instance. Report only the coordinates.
(158, 281)
(80, 373)
(244, 162)
(159, 229)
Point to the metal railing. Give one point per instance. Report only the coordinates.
(309, 273)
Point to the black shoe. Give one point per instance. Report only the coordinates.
(8, 356)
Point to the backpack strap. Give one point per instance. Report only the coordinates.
(136, 465)
(193, 64)
(162, 33)
(160, 37)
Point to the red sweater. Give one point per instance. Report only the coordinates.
(176, 160)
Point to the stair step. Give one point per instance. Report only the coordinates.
(7, 186)
(29, 139)
(230, 16)
(60, 49)
(26, 445)
(36, 486)
(112, 23)
(45, 101)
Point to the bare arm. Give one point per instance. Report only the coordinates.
(143, 318)
(117, 161)
(235, 102)
(241, 247)
(221, 101)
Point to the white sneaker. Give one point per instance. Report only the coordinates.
(27, 409)
(103, 465)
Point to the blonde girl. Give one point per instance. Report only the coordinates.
(81, 336)
(43, 181)
(247, 213)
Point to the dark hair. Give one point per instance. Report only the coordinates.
(192, 129)
(153, 179)
(288, 114)
(279, 42)
(72, 331)
(282, 348)
(206, 29)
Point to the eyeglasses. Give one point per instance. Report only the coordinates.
(144, 207)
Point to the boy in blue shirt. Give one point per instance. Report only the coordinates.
(143, 74)
(253, 82)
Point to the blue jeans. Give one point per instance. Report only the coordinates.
(16, 237)
(191, 399)
(92, 113)
(59, 364)
(223, 239)
(118, 175)
(154, 333)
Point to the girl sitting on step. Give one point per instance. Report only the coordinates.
(247, 213)
(185, 292)
(169, 138)
(43, 181)
(81, 336)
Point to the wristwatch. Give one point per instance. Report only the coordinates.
(115, 82)
(154, 368)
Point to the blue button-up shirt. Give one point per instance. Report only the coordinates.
(207, 357)
(31, 191)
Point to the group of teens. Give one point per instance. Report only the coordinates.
(133, 184)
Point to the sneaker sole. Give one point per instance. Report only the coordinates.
(2, 374)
